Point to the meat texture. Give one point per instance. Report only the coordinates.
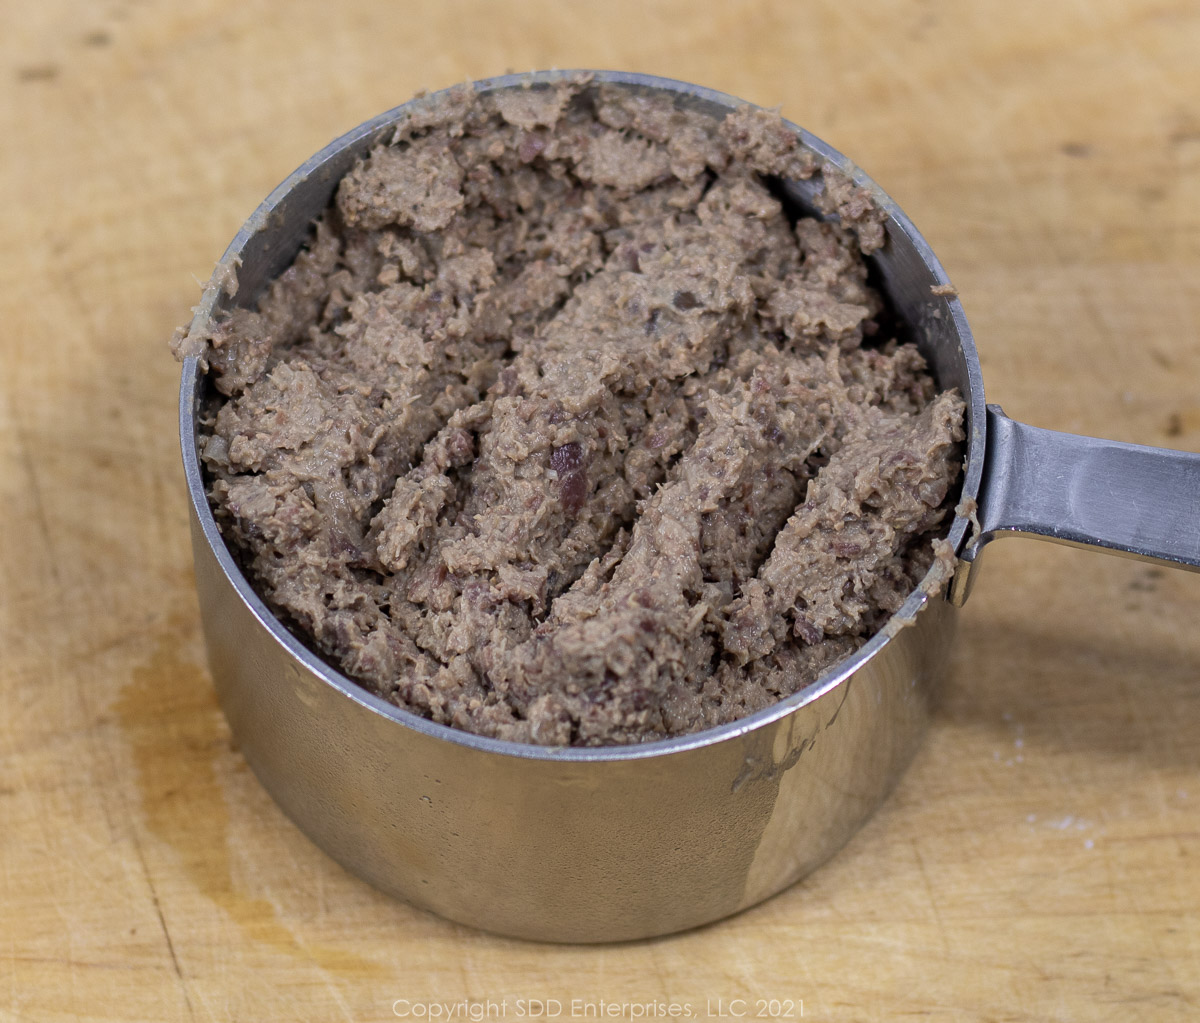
(562, 430)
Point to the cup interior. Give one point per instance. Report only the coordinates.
(905, 270)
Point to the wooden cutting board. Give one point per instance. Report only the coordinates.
(1039, 861)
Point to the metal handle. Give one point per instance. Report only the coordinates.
(1136, 501)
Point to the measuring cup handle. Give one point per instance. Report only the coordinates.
(1137, 501)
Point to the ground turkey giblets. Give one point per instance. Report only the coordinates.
(561, 431)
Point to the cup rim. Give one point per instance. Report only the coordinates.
(191, 379)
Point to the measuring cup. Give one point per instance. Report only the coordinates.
(628, 842)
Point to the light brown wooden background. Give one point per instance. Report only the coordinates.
(1041, 860)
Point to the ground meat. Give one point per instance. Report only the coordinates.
(562, 430)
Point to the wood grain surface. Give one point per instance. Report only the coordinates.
(1040, 859)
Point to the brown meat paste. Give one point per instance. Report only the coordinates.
(561, 431)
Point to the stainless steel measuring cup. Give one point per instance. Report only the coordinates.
(629, 842)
